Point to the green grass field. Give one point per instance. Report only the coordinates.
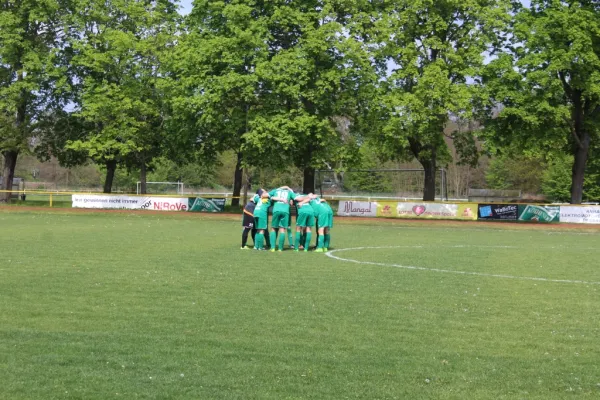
(107, 305)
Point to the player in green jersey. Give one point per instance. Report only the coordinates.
(304, 221)
(289, 227)
(281, 215)
(323, 221)
(261, 212)
(327, 229)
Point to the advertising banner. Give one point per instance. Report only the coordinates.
(427, 210)
(357, 209)
(539, 213)
(498, 212)
(386, 209)
(199, 204)
(580, 214)
(129, 202)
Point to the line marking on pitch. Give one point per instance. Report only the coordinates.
(330, 254)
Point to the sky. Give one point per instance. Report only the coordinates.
(185, 6)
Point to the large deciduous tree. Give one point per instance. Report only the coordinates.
(316, 72)
(267, 79)
(545, 87)
(219, 89)
(429, 54)
(116, 53)
(29, 32)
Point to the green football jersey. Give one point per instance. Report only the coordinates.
(285, 195)
(316, 206)
(262, 206)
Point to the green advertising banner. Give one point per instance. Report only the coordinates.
(539, 213)
(198, 204)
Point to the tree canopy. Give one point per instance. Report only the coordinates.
(304, 85)
(544, 87)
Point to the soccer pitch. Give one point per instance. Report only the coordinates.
(118, 305)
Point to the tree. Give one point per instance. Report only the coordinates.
(516, 172)
(29, 31)
(116, 53)
(319, 73)
(266, 79)
(365, 179)
(429, 54)
(545, 86)
(556, 179)
(216, 61)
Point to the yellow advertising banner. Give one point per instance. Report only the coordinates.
(467, 211)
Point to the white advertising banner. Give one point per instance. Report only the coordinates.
(580, 214)
(130, 202)
(357, 209)
(437, 210)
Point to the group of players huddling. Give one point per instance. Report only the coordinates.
(311, 210)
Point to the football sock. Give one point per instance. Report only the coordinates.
(245, 236)
(259, 240)
(281, 240)
(320, 242)
(298, 237)
(290, 236)
(307, 240)
(327, 240)
(272, 239)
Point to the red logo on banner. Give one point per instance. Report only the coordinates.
(418, 210)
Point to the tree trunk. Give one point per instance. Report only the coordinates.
(111, 167)
(426, 155)
(143, 170)
(581, 155)
(10, 162)
(246, 185)
(429, 186)
(581, 147)
(237, 181)
(308, 185)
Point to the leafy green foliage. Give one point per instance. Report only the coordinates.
(435, 48)
(556, 180)
(29, 33)
(545, 85)
(368, 182)
(516, 173)
(268, 79)
(116, 54)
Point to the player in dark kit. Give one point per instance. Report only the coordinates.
(248, 224)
